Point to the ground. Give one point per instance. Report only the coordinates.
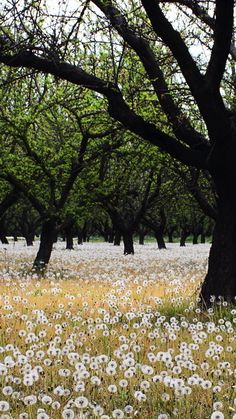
(111, 336)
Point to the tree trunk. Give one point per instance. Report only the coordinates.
(80, 238)
(55, 237)
(170, 237)
(195, 238)
(69, 240)
(117, 238)
(45, 247)
(128, 244)
(105, 236)
(203, 238)
(29, 239)
(111, 237)
(183, 236)
(221, 276)
(170, 233)
(84, 232)
(141, 238)
(3, 238)
(160, 241)
(69, 233)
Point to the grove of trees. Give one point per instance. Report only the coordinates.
(126, 109)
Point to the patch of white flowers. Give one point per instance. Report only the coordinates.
(91, 340)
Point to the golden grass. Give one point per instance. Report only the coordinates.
(76, 304)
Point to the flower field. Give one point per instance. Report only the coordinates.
(107, 336)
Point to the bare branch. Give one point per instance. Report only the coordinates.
(223, 29)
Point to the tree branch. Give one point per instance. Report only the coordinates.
(213, 109)
(20, 186)
(118, 108)
(223, 29)
(173, 40)
(8, 201)
(181, 125)
(202, 14)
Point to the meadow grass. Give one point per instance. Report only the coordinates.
(112, 337)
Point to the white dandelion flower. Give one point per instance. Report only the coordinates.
(4, 406)
(81, 402)
(118, 414)
(30, 400)
(217, 415)
(68, 414)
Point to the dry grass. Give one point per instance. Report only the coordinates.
(139, 314)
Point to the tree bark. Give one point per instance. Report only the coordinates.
(195, 238)
(128, 243)
(45, 247)
(221, 276)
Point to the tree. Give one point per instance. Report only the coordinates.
(44, 149)
(140, 28)
(128, 185)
